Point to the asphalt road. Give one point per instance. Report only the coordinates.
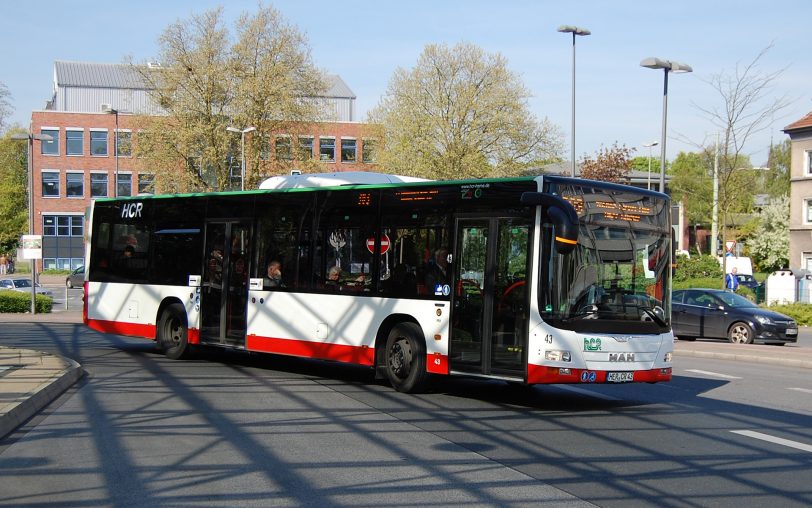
(236, 429)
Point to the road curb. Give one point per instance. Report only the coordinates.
(19, 412)
(784, 362)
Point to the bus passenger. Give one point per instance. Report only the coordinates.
(273, 278)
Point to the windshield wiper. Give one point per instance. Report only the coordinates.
(653, 315)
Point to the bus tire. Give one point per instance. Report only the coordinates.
(173, 332)
(406, 358)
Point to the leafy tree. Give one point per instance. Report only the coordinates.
(777, 174)
(769, 244)
(260, 75)
(5, 106)
(13, 193)
(610, 164)
(460, 112)
(691, 183)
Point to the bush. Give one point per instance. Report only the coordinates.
(698, 267)
(54, 271)
(15, 301)
(800, 312)
(698, 282)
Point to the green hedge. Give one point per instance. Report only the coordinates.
(55, 272)
(800, 312)
(15, 301)
(701, 282)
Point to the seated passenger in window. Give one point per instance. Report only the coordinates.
(273, 277)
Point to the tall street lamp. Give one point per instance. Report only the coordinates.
(106, 108)
(649, 145)
(667, 66)
(30, 149)
(242, 133)
(574, 30)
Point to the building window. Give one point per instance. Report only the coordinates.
(50, 147)
(305, 148)
(63, 225)
(124, 186)
(808, 163)
(264, 148)
(98, 185)
(124, 143)
(75, 185)
(283, 148)
(77, 225)
(807, 261)
(73, 142)
(368, 151)
(98, 143)
(327, 149)
(146, 183)
(807, 211)
(348, 150)
(50, 184)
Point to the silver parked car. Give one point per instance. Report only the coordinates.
(23, 286)
(76, 279)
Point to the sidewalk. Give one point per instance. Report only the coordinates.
(29, 381)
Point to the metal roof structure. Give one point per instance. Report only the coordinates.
(124, 76)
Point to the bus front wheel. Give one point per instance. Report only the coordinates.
(406, 358)
(173, 332)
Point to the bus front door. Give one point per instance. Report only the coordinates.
(225, 286)
(490, 297)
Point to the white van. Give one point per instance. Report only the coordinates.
(742, 264)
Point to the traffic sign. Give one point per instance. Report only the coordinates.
(384, 244)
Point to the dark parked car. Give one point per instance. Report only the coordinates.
(714, 313)
(76, 279)
(747, 281)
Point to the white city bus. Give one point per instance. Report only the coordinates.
(535, 280)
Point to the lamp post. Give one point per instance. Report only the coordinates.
(30, 149)
(667, 66)
(574, 30)
(106, 108)
(649, 145)
(242, 133)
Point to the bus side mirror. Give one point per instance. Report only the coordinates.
(561, 214)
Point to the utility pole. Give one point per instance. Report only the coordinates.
(715, 216)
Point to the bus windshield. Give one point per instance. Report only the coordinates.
(617, 279)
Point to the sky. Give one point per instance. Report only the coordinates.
(364, 41)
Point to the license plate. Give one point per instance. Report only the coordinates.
(792, 331)
(619, 377)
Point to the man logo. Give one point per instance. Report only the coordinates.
(621, 357)
(623, 338)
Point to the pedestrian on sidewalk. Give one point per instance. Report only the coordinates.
(732, 280)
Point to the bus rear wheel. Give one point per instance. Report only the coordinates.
(173, 332)
(406, 358)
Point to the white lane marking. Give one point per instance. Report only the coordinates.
(589, 393)
(805, 390)
(773, 439)
(715, 374)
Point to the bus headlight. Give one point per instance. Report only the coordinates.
(558, 356)
(668, 357)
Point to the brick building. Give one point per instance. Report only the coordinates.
(80, 163)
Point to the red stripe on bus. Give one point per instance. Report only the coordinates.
(539, 374)
(362, 355)
(121, 328)
(193, 336)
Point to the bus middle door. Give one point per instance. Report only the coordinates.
(224, 296)
(490, 297)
